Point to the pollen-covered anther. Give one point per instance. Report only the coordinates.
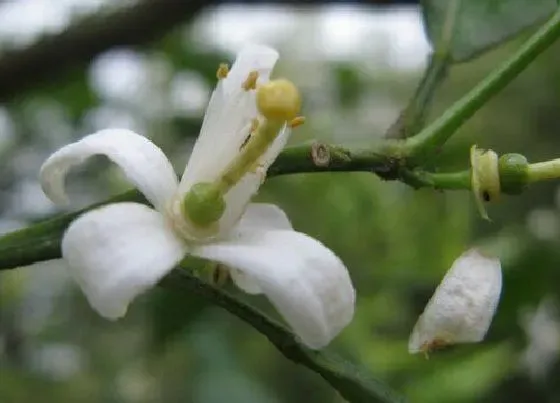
(297, 121)
(250, 82)
(279, 100)
(223, 71)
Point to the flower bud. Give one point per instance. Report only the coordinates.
(203, 204)
(278, 100)
(485, 178)
(514, 173)
(462, 307)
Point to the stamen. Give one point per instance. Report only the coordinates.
(297, 121)
(223, 71)
(219, 275)
(253, 129)
(251, 82)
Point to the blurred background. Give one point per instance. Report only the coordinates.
(357, 65)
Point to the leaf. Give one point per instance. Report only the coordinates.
(466, 28)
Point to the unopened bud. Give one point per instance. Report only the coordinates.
(463, 305)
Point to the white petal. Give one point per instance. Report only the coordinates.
(228, 117)
(144, 164)
(258, 216)
(117, 252)
(305, 281)
(252, 57)
(263, 216)
(245, 282)
(462, 307)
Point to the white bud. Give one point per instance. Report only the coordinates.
(462, 307)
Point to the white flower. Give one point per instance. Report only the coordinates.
(462, 307)
(120, 250)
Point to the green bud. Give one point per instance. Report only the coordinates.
(514, 173)
(204, 204)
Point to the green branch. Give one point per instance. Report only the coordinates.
(319, 157)
(541, 171)
(439, 181)
(437, 133)
(411, 120)
(351, 382)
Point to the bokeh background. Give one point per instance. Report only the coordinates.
(357, 65)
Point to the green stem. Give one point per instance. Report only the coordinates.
(541, 171)
(303, 159)
(460, 180)
(411, 120)
(437, 133)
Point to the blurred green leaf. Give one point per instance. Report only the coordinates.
(469, 28)
(463, 379)
(171, 314)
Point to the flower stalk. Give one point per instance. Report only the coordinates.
(541, 171)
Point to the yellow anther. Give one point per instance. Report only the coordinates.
(297, 121)
(251, 82)
(279, 100)
(223, 71)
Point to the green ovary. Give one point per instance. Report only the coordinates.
(203, 204)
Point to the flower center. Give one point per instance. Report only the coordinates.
(197, 215)
(184, 227)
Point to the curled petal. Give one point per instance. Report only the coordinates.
(463, 305)
(306, 282)
(258, 216)
(245, 282)
(117, 252)
(228, 117)
(263, 216)
(144, 164)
